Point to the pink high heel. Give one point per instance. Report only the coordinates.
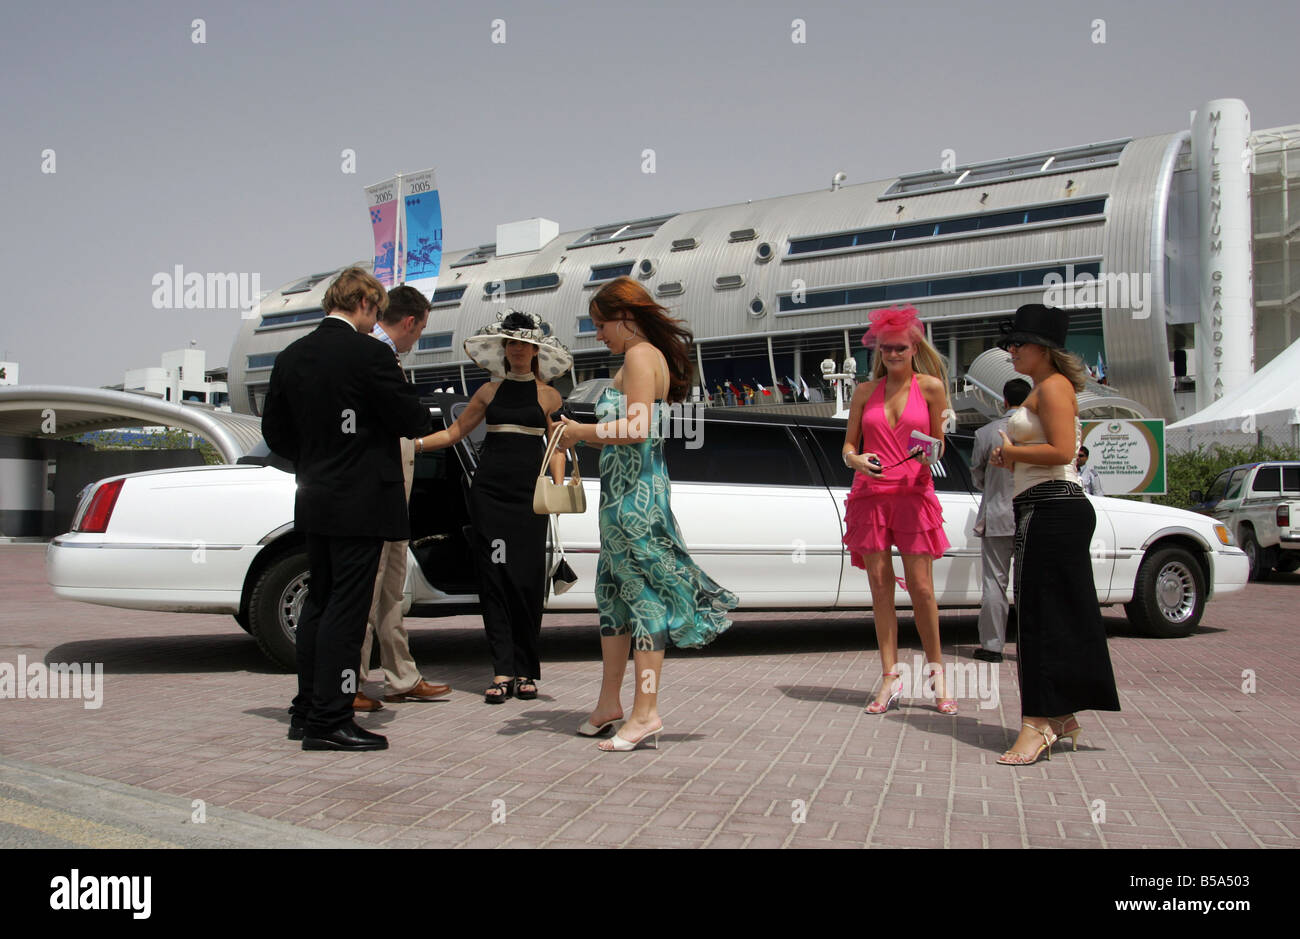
(875, 707)
(942, 705)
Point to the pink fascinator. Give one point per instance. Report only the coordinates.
(893, 321)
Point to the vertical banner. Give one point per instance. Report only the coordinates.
(422, 231)
(382, 199)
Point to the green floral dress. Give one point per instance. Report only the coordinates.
(646, 582)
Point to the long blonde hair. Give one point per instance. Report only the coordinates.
(1069, 365)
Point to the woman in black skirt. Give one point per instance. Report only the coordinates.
(509, 538)
(1063, 663)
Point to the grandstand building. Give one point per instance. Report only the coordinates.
(1176, 253)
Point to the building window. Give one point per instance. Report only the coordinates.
(282, 319)
(520, 285)
(480, 255)
(993, 281)
(586, 326)
(436, 341)
(605, 272)
(621, 231)
(949, 226)
(1090, 156)
(305, 284)
(262, 360)
(447, 295)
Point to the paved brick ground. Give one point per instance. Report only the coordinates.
(763, 727)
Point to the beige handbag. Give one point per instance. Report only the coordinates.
(564, 499)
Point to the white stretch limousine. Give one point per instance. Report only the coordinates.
(759, 497)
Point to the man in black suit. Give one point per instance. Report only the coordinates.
(336, 407)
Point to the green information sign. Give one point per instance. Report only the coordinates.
(1128, 455)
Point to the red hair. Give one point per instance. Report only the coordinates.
(625, 297)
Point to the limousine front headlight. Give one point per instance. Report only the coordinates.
(1225, 536)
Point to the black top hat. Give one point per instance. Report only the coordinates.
(1036, 323)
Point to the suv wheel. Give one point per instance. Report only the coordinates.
(1169, 594)
(276, 605)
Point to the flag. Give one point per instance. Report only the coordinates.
(421, 230)
(382, 199)
(803, 386)
(1101, 369)
(762, 389)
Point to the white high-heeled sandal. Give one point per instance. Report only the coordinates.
(619, 744)
(588, 729)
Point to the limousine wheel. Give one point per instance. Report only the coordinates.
(276, 605)
(1168, 595)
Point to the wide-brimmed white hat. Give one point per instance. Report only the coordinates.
(487, 347)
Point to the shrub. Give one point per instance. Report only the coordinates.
(1196, 469)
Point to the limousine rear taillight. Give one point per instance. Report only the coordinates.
(101, 508)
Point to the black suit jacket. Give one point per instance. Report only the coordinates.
(337, 404)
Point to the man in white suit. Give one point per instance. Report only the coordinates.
(995, 525)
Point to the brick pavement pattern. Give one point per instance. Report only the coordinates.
(765, 744)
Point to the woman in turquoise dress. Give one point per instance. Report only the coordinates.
(649, 592)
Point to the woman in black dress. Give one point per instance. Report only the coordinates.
(509, 538)
(1062, 659)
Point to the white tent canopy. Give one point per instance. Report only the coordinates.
(1268, 405)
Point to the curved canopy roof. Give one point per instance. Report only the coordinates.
(992, 369)
(25, 411)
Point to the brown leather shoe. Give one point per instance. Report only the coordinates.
(421, 692)
(363, 702)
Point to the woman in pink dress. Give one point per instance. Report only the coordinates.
(892, 502)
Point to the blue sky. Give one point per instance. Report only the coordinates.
(225, 156)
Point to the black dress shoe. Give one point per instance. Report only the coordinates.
(345, 737)
(987, 655)
(297, 728)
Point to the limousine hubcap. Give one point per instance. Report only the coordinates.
(1176, 592)
(291, 602)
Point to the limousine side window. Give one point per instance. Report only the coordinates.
(734, 453)
(830, 441)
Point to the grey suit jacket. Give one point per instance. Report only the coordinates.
(996, 516)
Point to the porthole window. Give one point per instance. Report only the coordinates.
(757, 307)
(646, 267)
(764, 252)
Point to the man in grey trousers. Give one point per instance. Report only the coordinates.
(995, 525)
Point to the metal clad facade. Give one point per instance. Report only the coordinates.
(1137, 348)
(1121, 242)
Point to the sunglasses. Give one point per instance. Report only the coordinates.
(894, 350)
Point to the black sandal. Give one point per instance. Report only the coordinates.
(525, 695)
(506, 688)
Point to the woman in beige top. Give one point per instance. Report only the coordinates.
(1061, 656)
